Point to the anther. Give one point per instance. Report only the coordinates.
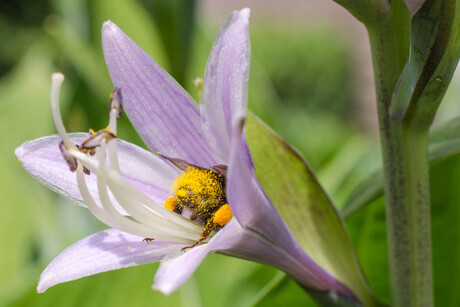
(115, 101)
(95, 140)
(71, 161)
(86, 171)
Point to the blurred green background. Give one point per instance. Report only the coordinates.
(305, 83)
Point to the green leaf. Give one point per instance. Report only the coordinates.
(364, 10)
(444, 143)
(86, 60)
(445, 212)
(304, 206)
(176, 19)
(368, 230)
(434, 54)
(26, 206)
(134, 20)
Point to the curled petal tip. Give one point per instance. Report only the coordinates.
(19, 152)
(163, 289)
(109, 28)
(57, 76)
(245, 12)
(43, 285)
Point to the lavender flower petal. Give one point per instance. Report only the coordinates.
(162, 112)
(173, 272)
(103, 251)
(265, 230)
(226, 78)
(148, 172)
(247, 199)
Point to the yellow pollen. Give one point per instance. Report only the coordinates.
(223, 215)
(182, 193)
(19, 160)
(196, 183)
(170, 203)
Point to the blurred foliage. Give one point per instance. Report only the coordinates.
(368, 233)
(301, 84)
(444, 142)
(176, 18)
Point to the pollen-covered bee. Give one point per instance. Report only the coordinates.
(203, 191)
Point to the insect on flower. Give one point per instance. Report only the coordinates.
(203, 191)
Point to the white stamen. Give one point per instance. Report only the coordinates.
(105, 200)
(56, 82)
(145, 216)
(113, 158)
(101, 214)
(171, 216)
(132, 192)
(141, 216)
(117, 182)
(135, 194)
(88, 199)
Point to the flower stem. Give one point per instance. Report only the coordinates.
(404, 151)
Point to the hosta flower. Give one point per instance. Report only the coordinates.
(175, 203)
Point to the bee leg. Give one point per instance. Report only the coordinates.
(193, 216)
(173, 205)
(178, 209)
(148, 240)
(206, 232)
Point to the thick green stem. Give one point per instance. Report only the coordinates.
(404, 151)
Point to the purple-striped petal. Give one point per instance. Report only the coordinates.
(267, 237)
(162, 112)
(247, 199)
(149, 173)
(226, 78)
(173, 272)
(103, 251)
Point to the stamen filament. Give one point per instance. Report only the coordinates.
(135, 194)
(115, 216)
(157, 232)
(145, 216)
(113, 158)
(56, 82)
(171, 216)
(139, 213)
(89, 201)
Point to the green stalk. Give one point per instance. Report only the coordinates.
(404, 151)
